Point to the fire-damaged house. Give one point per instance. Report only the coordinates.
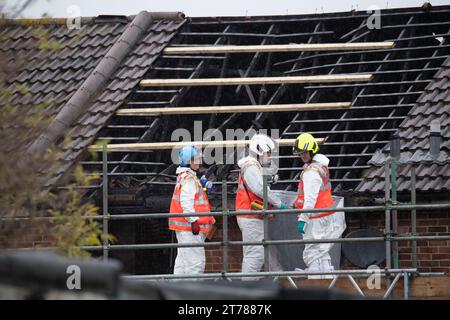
(94, 81)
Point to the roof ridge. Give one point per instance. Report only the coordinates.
(102, 18)
(343, 13)
(42, 21)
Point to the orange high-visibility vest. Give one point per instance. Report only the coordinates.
(324, 198)
(244, 199)
(201, 204)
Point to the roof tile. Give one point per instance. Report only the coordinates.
(433, 104)
(55, 75)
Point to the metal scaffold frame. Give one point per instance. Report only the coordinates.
(260, 75)
(390, 208)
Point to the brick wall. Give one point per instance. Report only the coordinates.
(21, 234)
(433, 256)
(214, 256)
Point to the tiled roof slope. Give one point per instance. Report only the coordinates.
(432, 175)
(53, 76)
(400, 76)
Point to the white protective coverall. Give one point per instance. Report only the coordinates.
(189, 260)
(252, 228)
(316, 256)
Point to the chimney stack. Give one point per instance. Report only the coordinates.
(435, 139)
(395, 146)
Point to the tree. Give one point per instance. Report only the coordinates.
(31, 212)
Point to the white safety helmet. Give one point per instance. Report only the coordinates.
(260, 144)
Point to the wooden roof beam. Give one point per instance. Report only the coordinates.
(256, 80)
(279, 48)
(173, 145)
(231, 109)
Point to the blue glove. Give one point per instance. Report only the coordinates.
(283, 206)
(206, 185)
(301, 227)
(203, 181)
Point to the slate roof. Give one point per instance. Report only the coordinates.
(432, 174)
(55, 75)
(409, 89)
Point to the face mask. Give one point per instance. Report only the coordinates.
(264, 160)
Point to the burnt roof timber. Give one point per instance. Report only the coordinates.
(388, 101)
(371, 62)
(314, 17)
(178, 94)
(358, 95)
(329, 54)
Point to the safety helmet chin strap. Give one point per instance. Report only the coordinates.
(311, 156)
(187, 165)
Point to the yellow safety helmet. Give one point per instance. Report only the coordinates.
(305, 142)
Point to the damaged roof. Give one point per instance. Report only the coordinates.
(409, 89)
(352, 136)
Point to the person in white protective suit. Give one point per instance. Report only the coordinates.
(189, 197)
(250, 197)
(314, 191)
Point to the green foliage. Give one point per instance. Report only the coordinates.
(24, 191)
(73, 226)
(63, 219)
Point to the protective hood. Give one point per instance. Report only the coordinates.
(321, 159)
(247, 159)
(183, 169)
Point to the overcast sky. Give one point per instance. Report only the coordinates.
(195, 8)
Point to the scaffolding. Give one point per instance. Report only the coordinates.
(390, 208)
(352, 134)
(371, 111)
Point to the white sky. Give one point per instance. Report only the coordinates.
(195, 8)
